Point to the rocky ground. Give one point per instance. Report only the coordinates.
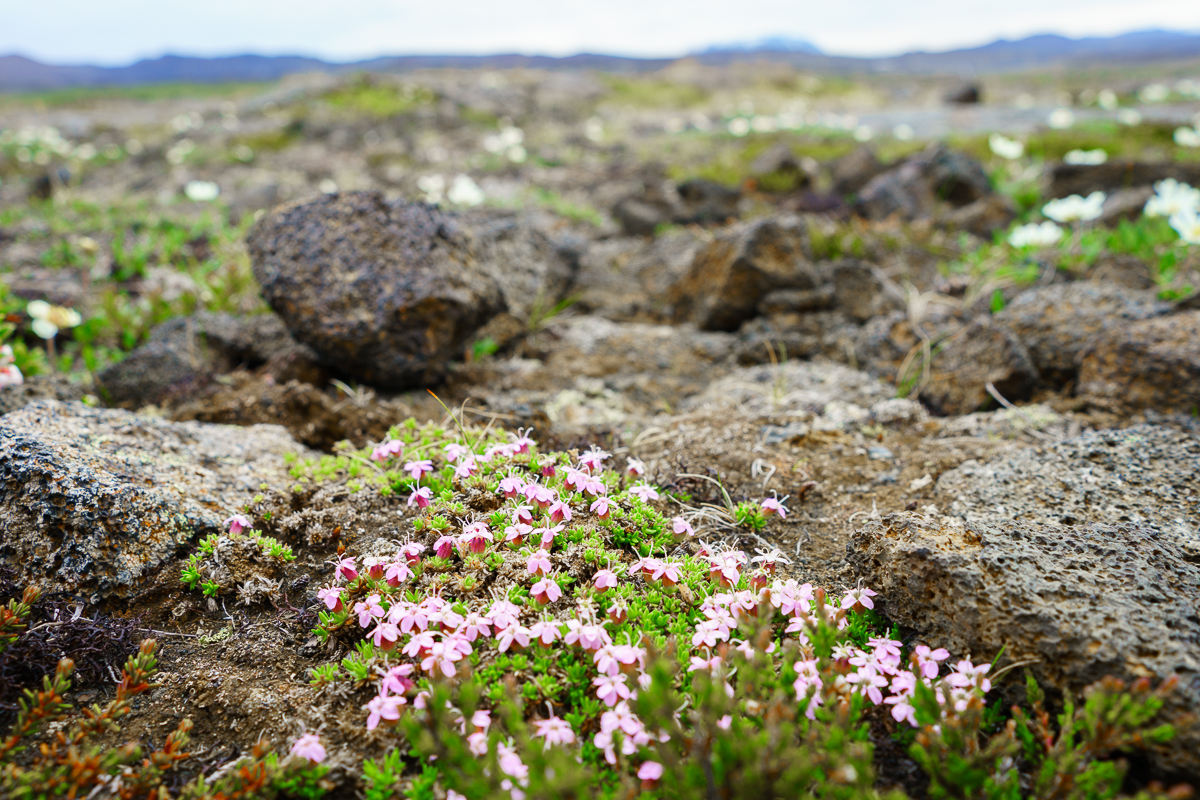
(1000, 440)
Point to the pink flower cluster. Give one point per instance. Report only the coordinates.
(10, 373)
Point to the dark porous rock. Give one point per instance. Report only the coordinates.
(94, 501)
(862, 291)
(704, 201)
(1122, 269)
(628, 279)
(1081, 603)
(982, 353)
(1148, 474)
(913, 189)
(798, 301)
(1153, 363)
(1056, 323)
(1115, 174)
(852, 172)
(639, 217)
(779, 170)
(532, 261)
(984, 216)
(970, 94)
(732, 273)
(182, 354)
(385, 292)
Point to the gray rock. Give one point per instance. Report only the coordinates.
(733, 273)
(914, 188)
(983, 353)
(984, 216)
(628, 279)
(93, 501)
(1081, 602)
(386, 292)
(1151, 363)
(532, 263)
(1056, 323)
(852, 172)
(862, 291)
(703, 201)
(183, 353)
(1146, 475)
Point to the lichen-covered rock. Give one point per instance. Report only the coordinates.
(1056, 323)
(982, 353)
(386, 292)
(93, 500)
(1079, 602)
(733, 273)
(1152, 363)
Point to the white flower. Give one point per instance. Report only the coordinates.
(201, 191)
(465, 192)
(593, 129)
(434, 186)
(516, 154)
(903, 132)
(1039, 235)
(1061, 118)
(1171, 197)
(1129, 116)
(1091, 158)
(1187, 223)
(1005, 147)
(47, 319)
(1187, 137)
(1107, 99)
(739, 126)
(1153, 93)
(1075, 208)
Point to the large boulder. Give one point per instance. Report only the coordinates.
(1079, 603)
(93, 501)
(1151, 363)
(387, 292)
(735, 271)
(913, 189)
(1058, 322)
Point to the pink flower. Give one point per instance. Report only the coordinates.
(346, 569)
(309, 746)
(644, 491)
(618, 612)
(421, 497)
(545, 630)
(868, 681)
(443, 546)
(590, 636)
(902, 709)
(522, 443)
(383, 452)
(543, 496)
(539, 563)
(10, 375)
(650, 771)
(600, 508)
(681, 527)
(605, 579)
(611, 689)
(454, 451)
(594, 487)
(331, 596)
(482, 720)
(546, 591)
(477, 743)
(467, 467)
(412, 552)
(725, 722)
(548, 533)
(384, 707)
(706, 664)
(928, 659)
(517, 635)
(771, 505)
(522, 515)
(668, 572)
(515, 534)
(503, 613)
(373, 566)
(554, 731)
(385, 635)
(593, 460)
(858, 599)
(560, 511)
(397, 572)
(477, 535)
(442, 656)
(396, 680)
(369, 611)
(635, 467)
(237, 523)
(418, 468)
(575, 479)
(511, 486)
(475, 626)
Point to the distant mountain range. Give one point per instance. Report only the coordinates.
(18, 73)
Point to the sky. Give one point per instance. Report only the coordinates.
(113, 32)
